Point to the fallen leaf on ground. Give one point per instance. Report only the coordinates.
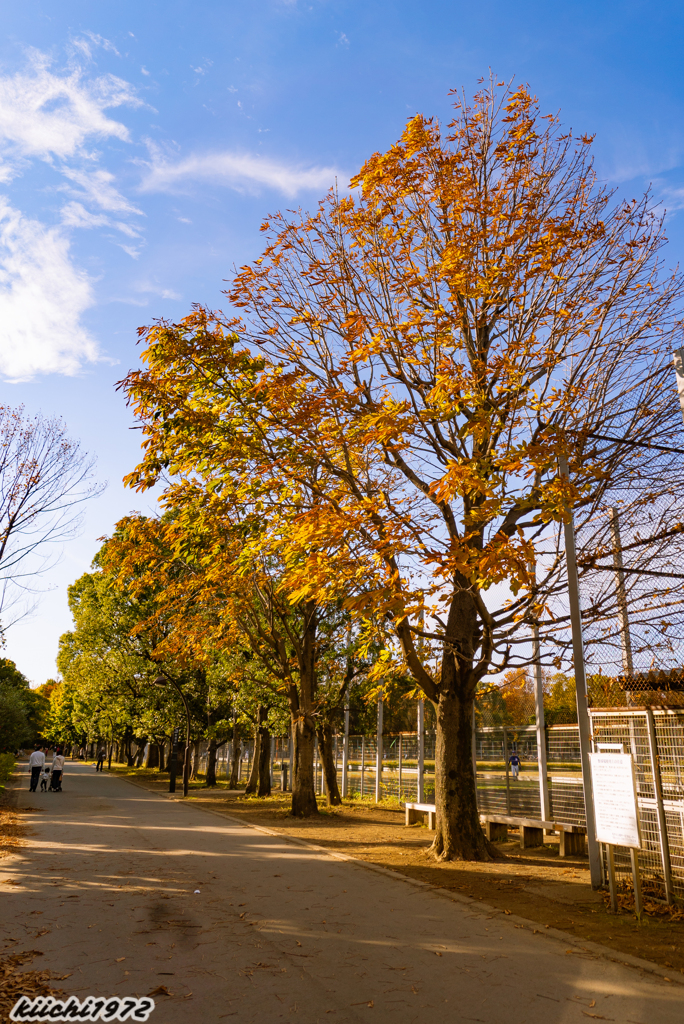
(160, 990)
(119, 959)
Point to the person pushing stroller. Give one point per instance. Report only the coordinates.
(57, 771)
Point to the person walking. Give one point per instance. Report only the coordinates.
(101, 754)
(514, 761)
(36, 762)
(57, 771)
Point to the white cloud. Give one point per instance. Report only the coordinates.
(75, 215)
(130, 250)
(97, 187)
(242, 172)
(42, 299)
(46, 115)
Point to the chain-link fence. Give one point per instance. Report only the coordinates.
(631, 567)
(655, 739)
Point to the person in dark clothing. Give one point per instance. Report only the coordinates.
(36, 762)
(57, 772)
(101, 754)
(515, 763)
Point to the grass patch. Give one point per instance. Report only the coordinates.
(7, 763)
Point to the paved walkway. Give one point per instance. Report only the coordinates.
(278, 932)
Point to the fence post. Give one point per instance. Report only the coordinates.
(421, 752)
(378, 755)
(623, 617)
(542, 767)
(658, 790)
(508, 779)
(473, 746)
(580, 687)
(400, 753)
(345, 747)
(363, 762)
(290, 757)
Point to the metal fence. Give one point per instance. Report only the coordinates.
(655, 739)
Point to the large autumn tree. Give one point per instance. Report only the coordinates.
(478, 306)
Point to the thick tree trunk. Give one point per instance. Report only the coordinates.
(303, 787)
(326, 749)
(195, 759)
(264, 762)
(254, 774)
(303, 724)
(459, 835)
(211, 762)
(130, 760)
(152, 759)
(235, 759)
(452, 692)
(168, 756)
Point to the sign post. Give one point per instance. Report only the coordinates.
(616, 812)
(173, 766)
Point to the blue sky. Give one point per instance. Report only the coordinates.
(143, 143)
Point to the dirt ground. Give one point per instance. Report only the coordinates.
(534, 884)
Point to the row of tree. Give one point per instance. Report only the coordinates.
(363, 462)
(24, 712)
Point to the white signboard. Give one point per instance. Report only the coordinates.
(615, 802)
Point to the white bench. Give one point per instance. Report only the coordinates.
(414, 812)
(571, 837)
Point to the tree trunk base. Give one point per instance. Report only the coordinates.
(304, 808)
(482, 852)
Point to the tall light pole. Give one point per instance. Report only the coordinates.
(581, 686)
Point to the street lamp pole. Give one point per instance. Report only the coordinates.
(581, 686)
(173, 762)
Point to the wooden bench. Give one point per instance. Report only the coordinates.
(415, 812)
(571, 837)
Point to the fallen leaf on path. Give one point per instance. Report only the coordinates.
(119, 959)
(160, 990)
(508, 911)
